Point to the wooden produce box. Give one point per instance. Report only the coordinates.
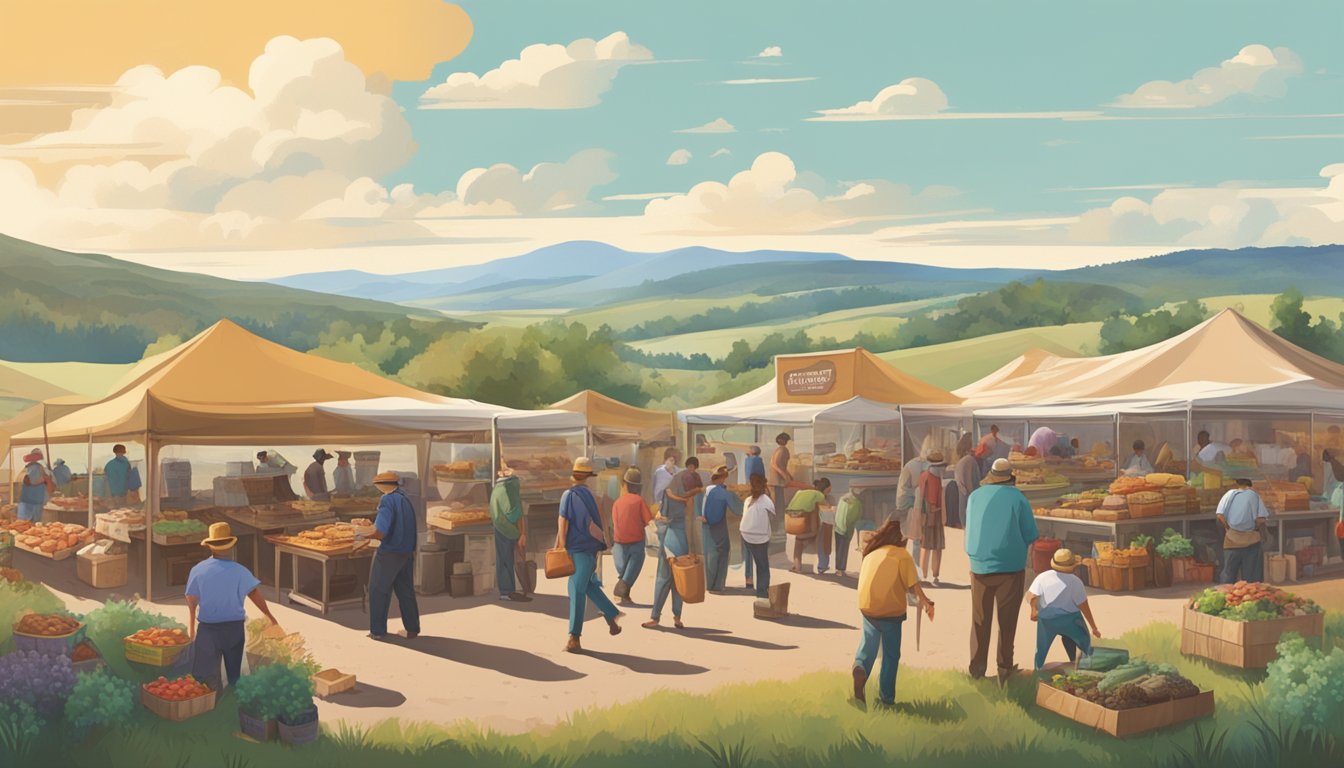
(330, 682)
(102, 571)
(1242, 644)
(1123, 723)
(1115, 578)
(177, 710)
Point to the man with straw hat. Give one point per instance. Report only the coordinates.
(216, 615)
(718, 500)
(37, 487)
(1000, 528)
(1058, 606)
(579, 532)
(393, 568)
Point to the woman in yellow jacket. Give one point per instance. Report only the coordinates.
(886, 575)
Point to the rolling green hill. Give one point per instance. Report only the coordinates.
(959, 363)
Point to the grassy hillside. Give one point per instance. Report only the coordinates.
(86, 379)
(959, 363)
(1257, 306)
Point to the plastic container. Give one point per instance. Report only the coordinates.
(1041, 553)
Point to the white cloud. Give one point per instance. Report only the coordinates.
(721, 152)
(771, 52)
(717, 125)
(1256, 70)
(543, 76)
(679, 157)
(911, 96)
(767, 80)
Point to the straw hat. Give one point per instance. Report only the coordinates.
(1000, 472)
(583, 466)
(221, 538)
(387, 478)
(633, 476)
(1065, 561)
(936, 458)
(720, 471)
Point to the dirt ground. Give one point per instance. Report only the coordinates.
(500, 664)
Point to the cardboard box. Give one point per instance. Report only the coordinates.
(1242, 644)
(1123, 723)
(102, 571)
(483, 583)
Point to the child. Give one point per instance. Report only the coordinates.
(1059, 605)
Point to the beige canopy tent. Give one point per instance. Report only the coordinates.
(226, 386)
(610, 420)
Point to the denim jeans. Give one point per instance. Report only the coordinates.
(748, 561)
(583, 586)
(887, 634)
(1071, 630)
(226, 639)
(505, 552)
(842, 542)
(1248, 561)
(629, 561)
(760, 554)
(392, 572)
(673, 544)
(716, 556)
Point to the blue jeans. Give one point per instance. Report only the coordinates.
(887, 634)
(30, 512)
(214, 640)
(716, 556)
(1069, 628)
(673, 543)
(583, 586)
(629, 561)
(392, 572)
(760, 553)
(1248, 561)
(505, 548)
(748, 560)
(842, 542)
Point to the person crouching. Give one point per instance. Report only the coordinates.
(1059, 606)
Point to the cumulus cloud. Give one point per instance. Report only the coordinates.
(772, 197)
(911, 96)
(679, 157)
(1227, 216)
(543, 76)
(717, 125)
(771, 52)
(1256, 70)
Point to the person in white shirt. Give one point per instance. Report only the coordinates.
(1243, 515)
(1059, 606)
(662, 476)
(1138, 463)
(1211, 453)
(757, 523)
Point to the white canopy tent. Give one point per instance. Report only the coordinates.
(449, 415)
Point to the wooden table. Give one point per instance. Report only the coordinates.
(325, 559)
(246, 523)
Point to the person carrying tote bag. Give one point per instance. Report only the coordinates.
(580, 536)
(802, 520)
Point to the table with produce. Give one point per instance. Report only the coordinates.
(332, 558)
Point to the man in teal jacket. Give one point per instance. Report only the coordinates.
(999, 529)
(506, 512)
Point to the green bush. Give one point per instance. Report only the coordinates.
(101, 699)
(275, 690)
(1306, 685)
(20, 727)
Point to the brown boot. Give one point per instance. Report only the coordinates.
(860, 683)
(613, 626)
(573, 645)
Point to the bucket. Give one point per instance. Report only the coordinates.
(366, 466)
(688, 575)
(1041, 552)
(302, 733)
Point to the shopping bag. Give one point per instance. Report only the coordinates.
(559, 564)
(799, 525)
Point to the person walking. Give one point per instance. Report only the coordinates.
(630, 517)
(999, 530)
(714, 513)
(1244, 518)
(807, 504)
(848, 514)
(678, 499)
(932, 516)
(757, 525)
(754, 465)
(886, 577)
(217, 589)
(37, 487)
(393, 569)
(506, 515)
(1059, 606)
(966, 476)
(580, 533)
(907, 486)
(117, 473)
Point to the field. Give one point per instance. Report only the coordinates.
(957, 364)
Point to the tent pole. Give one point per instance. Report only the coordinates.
(151, 485)
(1189, 437)
(495, 456)
(90, 474)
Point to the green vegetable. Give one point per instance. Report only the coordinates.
(1141, 541)
(179, 527)
(275, 690)
(1123, 674)
(1174, 544)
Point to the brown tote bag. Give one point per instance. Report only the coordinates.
(559, 564)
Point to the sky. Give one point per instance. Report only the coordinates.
(420, 134)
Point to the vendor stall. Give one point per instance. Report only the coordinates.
(621, 436)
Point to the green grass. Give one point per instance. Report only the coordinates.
(959, 363)
(941, 719)
(1257, 306)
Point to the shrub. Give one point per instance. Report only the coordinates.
(275, 690)
(39, 680)
(1306, 685)
(99, 699)
(20, 726)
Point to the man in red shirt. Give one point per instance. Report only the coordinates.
(629, 517)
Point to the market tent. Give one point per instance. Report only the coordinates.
(447, 415)
(610, 420)
(1228, 361)
(223, 385)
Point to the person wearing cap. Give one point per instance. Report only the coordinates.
(778, 473)
(217, 589)
(887, 581)
(506, 513)
(672, 539)
(38, 486)
(714, 514)
(343, 477)
(116, 473)
(393, 569)
(931, 514)
(1244, 518)
(580, 533)
(630, 517)
(808, 503)
(1138, 463)
(315, 477)
(1000, 528)
(1059, 606)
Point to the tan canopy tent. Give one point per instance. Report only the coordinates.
(610, 420)
(226, 386)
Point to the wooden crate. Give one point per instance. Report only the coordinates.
(153, 655)
(1242, 644)
(102, 571)
(177, 710)
(1123, 723)
(330, 682)
(1113, 578)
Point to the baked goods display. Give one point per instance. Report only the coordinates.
(543, 472)
(459, 513)
(1280, 496)
(46, 625)
(52, 538)
(309, 508)
(1038, 475)
(333, 537)
(456, 470)
(1124, 486)
(861, 460)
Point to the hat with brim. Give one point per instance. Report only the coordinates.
(387, 478)
(583, 466)
(1065, 561)
(633, 476)
(221, 538)
(34, 456)
(1001, 472)
(936, 459)
(720, 471)
(321, 455)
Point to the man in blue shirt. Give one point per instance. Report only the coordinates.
(393, 568)
(117, 472)
(37, 487)
(718, 500)
(579, 531)
(999, 529)
(1243, 516)
(216, 589)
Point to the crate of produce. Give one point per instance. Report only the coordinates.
(1117, 578)
(173, 532)
(177, 700)
(48, 633)
(85, 657)
(1240, 624)
(330, 682)
(156, 647)
(1123, 723)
